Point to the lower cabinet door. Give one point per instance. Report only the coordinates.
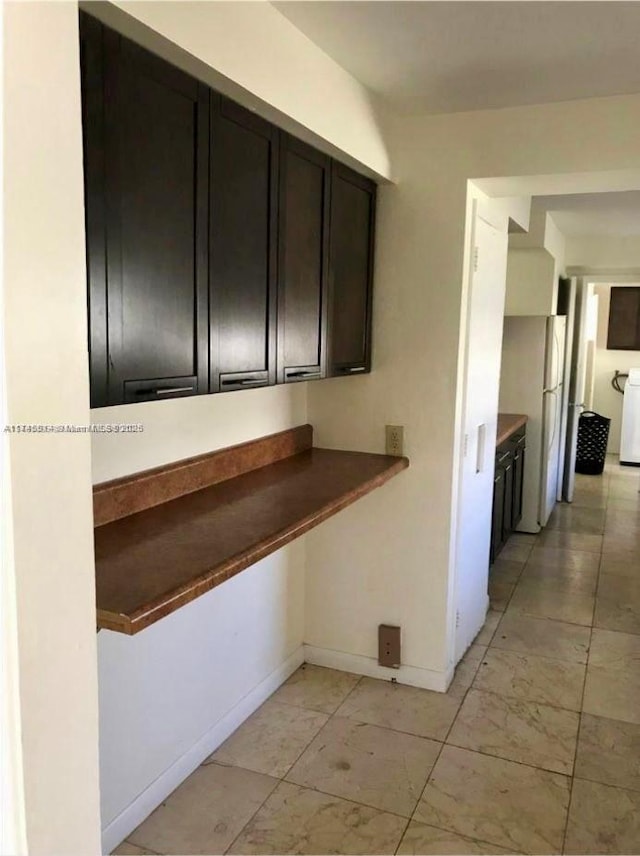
(497, 520)
(507, 517)
(518, 480)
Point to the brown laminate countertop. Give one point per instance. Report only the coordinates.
(151, 563)
(508, 424)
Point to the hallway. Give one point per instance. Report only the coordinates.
(534, 749)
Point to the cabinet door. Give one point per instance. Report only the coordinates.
(351, 264)
(303, 249)
(518, 473)
(243, 199)
(507, 517)
(146, 172)
(497, 517)
(92, 80)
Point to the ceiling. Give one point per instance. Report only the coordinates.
(595, 214)
(442, 57)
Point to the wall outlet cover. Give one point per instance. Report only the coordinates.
(394, 440)
(389, 653)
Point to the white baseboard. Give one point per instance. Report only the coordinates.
(122, 826)
(360, 665)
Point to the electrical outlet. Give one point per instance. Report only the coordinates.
(389, 646)
(394, 440)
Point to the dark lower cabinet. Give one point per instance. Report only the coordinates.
(497, 517)
(147, 164)
(519, 449)
(305, 177)
(507, 490)
(222, 254)
(507, 517)
(353, 201)
(242, 248)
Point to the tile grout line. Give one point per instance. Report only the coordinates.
(435, 763)
(355, 802)
(584, 687)
(281, 779)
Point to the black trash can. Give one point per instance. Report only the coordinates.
(593, 436)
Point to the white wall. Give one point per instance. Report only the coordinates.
(252, 53)
(396, 551)
(606, 400)
(532, 287)
(45, 330)
(594, 254)
(536, 261)
(170, 695)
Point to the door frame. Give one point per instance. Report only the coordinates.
(623, 276)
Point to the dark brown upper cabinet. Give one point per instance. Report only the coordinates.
(351, 243)
(624, 319)
(242, 248)
(146, 171)
(222, 254)
(303, 256)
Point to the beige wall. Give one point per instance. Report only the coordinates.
(252, 53)
(47, 382)
(395, 552)
(595, 254)
(532, 285)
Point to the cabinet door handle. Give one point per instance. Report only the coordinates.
(246, 382)
(303, 374)
(169, 390)
(353, 369)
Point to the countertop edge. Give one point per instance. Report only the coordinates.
(511, 422)
(170, 602)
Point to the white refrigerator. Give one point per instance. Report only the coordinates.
(532, 382)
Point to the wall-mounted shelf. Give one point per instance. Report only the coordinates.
(258, 496)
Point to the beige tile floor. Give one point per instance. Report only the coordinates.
(535, 748)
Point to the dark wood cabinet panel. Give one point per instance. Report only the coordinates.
(507, 494)
(154, 166)
(303, 248)
(507, 517)
(624, 319)
(497, 515)
(222, 253)
(519, 452)
(92, 80)
(242, 247)
(351, 263)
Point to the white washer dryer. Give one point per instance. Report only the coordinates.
(630, 438)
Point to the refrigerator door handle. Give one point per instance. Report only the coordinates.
(553, 435)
